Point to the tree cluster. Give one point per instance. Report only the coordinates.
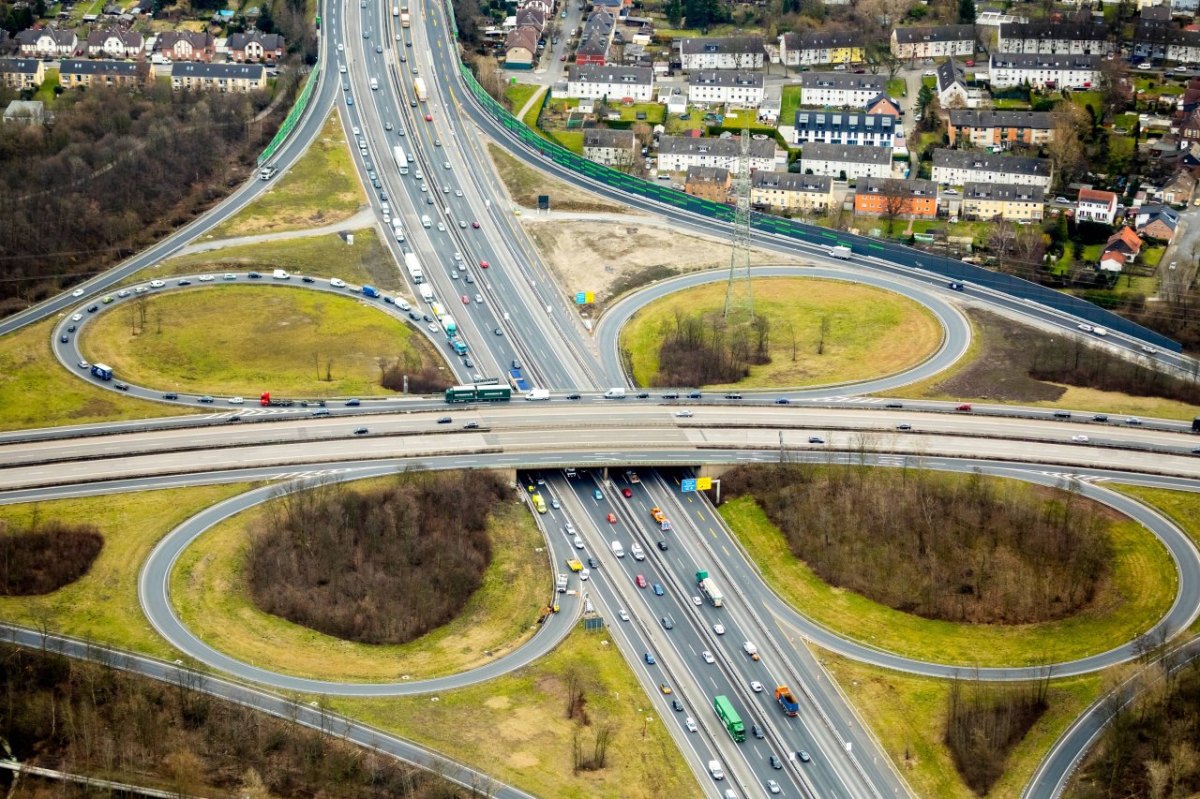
(960, 548)
(1075, 362)
(422, 378)
(381, 567)
(46, 557)
(89, 719)
(703, 350)
(113, 171)
(985, 721)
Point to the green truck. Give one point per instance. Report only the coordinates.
(730, 718)
(493, 393)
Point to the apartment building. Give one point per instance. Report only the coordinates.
(677, 153)
(1001, 129)
(959, 167)
(708, 183)
(22, 73)
(1054, 38)
(616, 83)
(907, 198)
(838, 127)
(1163, 40)
(726, 87)
(115, 43)
(933, 41)
(610, 147)
(1003, 201)
(821, 47)
(846, 161)
(840, 89)
(791, 191)
(1096, 206)
(1044, 71)
(728, 52)
(88, 73)
(218, 77)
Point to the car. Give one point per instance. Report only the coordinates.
(816, 440)
(349, 100)
(484, 264)
(471, 426)
(77, 293)
(428, 117)
(640, 581)
(77, 317)
(622, 614)
(84, 365)
(170, 395)
(1133, 420)
(1100, 417)
(1062, 200)
(467, 362)
(574, 396)
(597, 494)
(782, 401)
(690, 723)
(708, 656)
(585, 574)
(612, 518)
(140, 289)
(469, 278)
(479, 299)
(668, 623)
(929, 73)
(1144, 67)
(207, 400)
(337, 282)
(379, 48)
(352, 403)
(662, 546)
(1085, 327)
(756, 686)
(340, 47)
(677, 705)
(64, 339)
(1080, 439)
(123, 293)
(593, 563)
(904, 427)
(966, 406)
(773, 787)
(1180, 68)
(657, 589)
(466, 300)
(562, 57)
(805, 757)
(695, 395)
(229, 276)
(649, 658)
(433, 328)
(775, 762)
(71, 329)
(666, 689)
(120, 386)
(475, 225)
(955, 285)
(404, 59)
(1146, 348)
(307, 279)
(643, 395)
(254, 276)
(443, 420)
(757, 731)
(719, 628)
(93, 308)
(360, 431)
(437, 142)
(366, 34)
(733, 396)
(894, 405)
(684, 414)
(108, 299)
(236, 401)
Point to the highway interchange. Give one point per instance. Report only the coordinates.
(540, 330)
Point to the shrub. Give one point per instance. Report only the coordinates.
(46, 557)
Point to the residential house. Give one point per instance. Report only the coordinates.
(218, 77)
(1125, 242)
(610, 147)
(22, 73)
(771, 106)
(840, 89)
(1156, 222)
(726, 87)
(1043, 71)
(25, 112)
(952, 89)
(1009, 201)
(1054, 38)
(933, 41)
(677, 153)
(809, 48)
(1189, 126)
(791, 191)
(1179, 189)
(729, 52)
(614, 83)
(882, 104)
(1096, 206)
(892, 196)
(596, 38)
(1001, 129)
(841, 127)
(89, 73)
(115, 43)
(959, 167)
(47, 43)
(186, 46)
(531, 17)
(546, 7)
(1164, 40)
(520, 48)
(846, 161)
(256, 46)
(708, 183)
(1112, 261)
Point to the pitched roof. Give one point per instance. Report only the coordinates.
(200, 40)
(1043, 31)
(525, 38)
(269, 41)
(845, 153)
(1127, 237)
(970, 118)
(934, 33)
(791, 181)
(845, 81)
(1016, 164)
(1069, 61)
(950, 72)
(77, 66)
(913, 187)
(883, 98)
(1004, 192)
(606, 137)
(607, 73)
(843, 122)
(197, 69)
(821, 40)
(1097, 196)
(729, 148)
(723, 44)
(127, 37)
(707, 174)
(21, 66)
(726, 77)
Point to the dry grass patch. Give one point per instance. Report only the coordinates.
(525, 183)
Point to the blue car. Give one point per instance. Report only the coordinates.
(598, 494)
(352, 403)
(658, 590)
(649, 659)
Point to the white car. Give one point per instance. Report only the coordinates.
(1085, 328)
(684, 414)
(690, 723)
(157, 284)
(337, 282)
(229, 276)
(77, 293)
(585, 573)
(458, 256)
(84, 365)
(236, 400)
(624, 616)
(140, 290)
(756, 686)
(697, 601)
(205, 278)
(77, 317)
(708, 656)
(123, 293)
(773, 786)
(1079, 439)
(479, 299)
(719, 628)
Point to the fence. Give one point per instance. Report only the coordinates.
(293, 117)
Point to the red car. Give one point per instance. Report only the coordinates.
(429, 117)
(484, 264)
(612, 518)
(562, 58)
(966, 406)
(466, 300)
(970, 62)
(640, 580)
(627, 492)
(475, 225)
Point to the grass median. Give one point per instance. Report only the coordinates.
(242, 340)
(515, 727)
(821, 331)
(102, 606)
(209, 592)
(1141, 589)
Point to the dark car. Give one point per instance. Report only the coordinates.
(64, 339)
(352, 403)
(662, 545)
(757, 732)
(443, 420)
(362, 431)
(805, 757)
(93, 308)
(119, 386)
(71, 329)
(668, 623)
(670, 395)
(650, 661)
(573, 396)
(733, 396)
(694, 395)
(471, 426)
(593, 563)
(207, 400)
(783, 401)
(254, 276)
(1100, 417)
(643, 395)
(894, 405)
(904, 427)
(184, 282)
(308, 279)
(775, 762)
(955, 285)
(677, 705)
(170, 395)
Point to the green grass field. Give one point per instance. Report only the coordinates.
(1140, 591)
(526, 739)
(242, 340)
(790, 102)
(320, 189)
(209, 592)
(897, 88)
(872, 332)
(518, 94)
(365, 261)
(103, 605)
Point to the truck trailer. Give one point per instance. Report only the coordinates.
(413, 265)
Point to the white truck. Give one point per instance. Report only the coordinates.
(840, 251)
(750, 649)
(426, 222)
(614, 393)
(426, 292)
(401, 161)
(617, 549)
(413, 265)
(419, 90)
(636, 550)
(561, 583)
(397, 229)
(538, 394)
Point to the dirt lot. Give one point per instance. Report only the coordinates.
(609, 258)
(524, 184)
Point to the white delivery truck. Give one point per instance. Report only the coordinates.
(413, 265)
(426, 292)
(615, 393)
(538, 394)
(397, 229)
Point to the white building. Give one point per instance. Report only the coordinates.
(934, 41)
(677, 153)
(1070, 38)
(1044, 71)
(1096, 206)
(729, 52)
(612, 82)
(959, 167)
(840, 89)
(610, 147)
(726, 87)
(844, 161)
(820, 47)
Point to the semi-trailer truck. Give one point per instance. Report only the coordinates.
(401, 159)
(709, 589)
(448, 323)
(413, 265)
(266, 400)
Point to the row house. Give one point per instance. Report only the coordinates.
(677, 153)
(836, 127)
(1054, 38)
(726, 87)
(1009, 201)
(1164, 41)
(186, 46)
(959, 167)
(218, 77)
(1096, 206)
(115, 43)
(1000, 129)
(708, 183)
(1044, 71)
(821, 47)
(256, 46)
(913, 198)
(90, 73)
(952, 89)
(611, 82)
(933, 41)
(729, 52)
(846, 161)
(610, 147)
(596, 38)
(840, 89)
(22, 73)
(47, 43)
(791, 191)
(520, 48)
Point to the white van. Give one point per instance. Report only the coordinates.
(280, 274)
(374, 84)
(714, 768)
(426, 222)
(617, 549)
(615, 393)
(538, 394)
(636, 550)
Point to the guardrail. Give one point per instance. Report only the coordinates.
(293, 117)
